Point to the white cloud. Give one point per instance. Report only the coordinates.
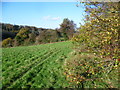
(55, 18)
(51, 18)
(46, 17)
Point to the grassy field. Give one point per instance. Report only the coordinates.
(42, 66)
(37, 66)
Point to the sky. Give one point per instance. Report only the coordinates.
(41, 14)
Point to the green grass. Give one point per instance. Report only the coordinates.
(43, 66)
(37, 66)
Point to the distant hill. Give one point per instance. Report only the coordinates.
(10, 30)
(19, 35)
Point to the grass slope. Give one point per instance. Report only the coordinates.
(37, 66)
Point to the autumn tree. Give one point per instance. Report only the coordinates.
(67, 28)
(7, 42)
(101, 32)
(97, 51)
(47, 36)
(22, 35)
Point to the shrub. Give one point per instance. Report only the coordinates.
(100, 34)
(7, 42)
(83, 68)
(97, 47)
(22, 35)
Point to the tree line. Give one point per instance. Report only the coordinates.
(17, 35)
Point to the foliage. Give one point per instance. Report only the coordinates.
(47, 36)
(67, 28)
(100, 34)
(99, 37)
(86, 70)
(10, 27)
(22, 35)
(30, 35)
(7, 42)
(7, 34)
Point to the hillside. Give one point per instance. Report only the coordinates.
(19, 35)
(10, 30)
(37, 66)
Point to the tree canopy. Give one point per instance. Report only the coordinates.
(67, 28)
